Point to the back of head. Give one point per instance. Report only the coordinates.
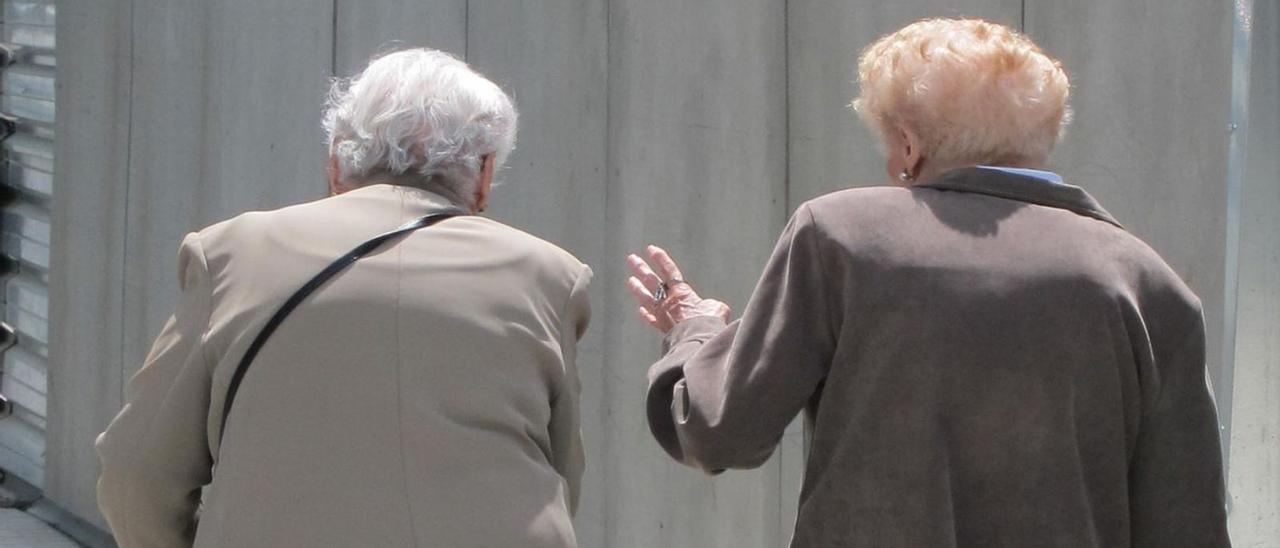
(975, 92)
(418, 117)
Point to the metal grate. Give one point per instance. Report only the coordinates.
(27, 76)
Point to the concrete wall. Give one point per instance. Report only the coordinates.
(696, 160)
(86, 376)
(699, 125)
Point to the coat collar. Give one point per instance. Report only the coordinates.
(1022, 188)
(411, 201)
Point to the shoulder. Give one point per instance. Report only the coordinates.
(858, 203)
(852, 197)
(544, 268)
(534, 245)
(535, 254)
(855, 213)
(251, 222)
(279, 243)
(1156, 285)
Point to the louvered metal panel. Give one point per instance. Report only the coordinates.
(27, 84)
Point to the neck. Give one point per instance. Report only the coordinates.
(931, 171)
(430, 186)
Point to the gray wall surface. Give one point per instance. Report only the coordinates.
(695, 125)
(1255, 426)
(86, 376)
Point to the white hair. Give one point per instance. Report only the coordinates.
(420, 117)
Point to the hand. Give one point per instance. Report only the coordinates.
(681, 301)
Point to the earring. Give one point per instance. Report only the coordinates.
(905, 175)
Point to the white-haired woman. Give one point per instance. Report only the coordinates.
(984, 356)
(425, 395)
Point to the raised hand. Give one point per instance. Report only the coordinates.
(664, 296)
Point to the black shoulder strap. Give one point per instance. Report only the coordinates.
(318, 280)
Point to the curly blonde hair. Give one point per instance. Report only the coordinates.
(974, 92)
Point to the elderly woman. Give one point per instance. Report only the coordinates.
(426, 395)
(984, 355)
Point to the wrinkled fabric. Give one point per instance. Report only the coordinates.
(984, 360)
(426, 396)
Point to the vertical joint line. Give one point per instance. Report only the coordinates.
(466, 31)
(607, 528)
(333, 42)
(128, 183)
(1022, 21)
(786, 108)
(783, 533)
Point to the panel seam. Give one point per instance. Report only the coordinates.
(605, 393)
(787, 203)
(786, 107)
(128, 179)
(333, 42)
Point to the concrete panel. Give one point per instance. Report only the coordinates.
(18, 528)
(363, 28)
(830, 149)
(1254, 470)
(551, 56)
(697, 162)
(87, 270)
(226, 119)
(1151, 91)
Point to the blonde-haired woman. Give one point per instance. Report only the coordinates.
(984, 355)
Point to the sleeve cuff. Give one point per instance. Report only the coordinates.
(668, 372)
(695, 328)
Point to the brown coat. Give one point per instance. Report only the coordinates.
(427, 396)
(985, 360)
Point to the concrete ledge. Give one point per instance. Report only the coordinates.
(84, 533)
(18, 528)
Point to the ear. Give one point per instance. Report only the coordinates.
(334, 171)
(487, 166)
(912, 154)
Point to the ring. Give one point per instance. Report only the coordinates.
(664, 289)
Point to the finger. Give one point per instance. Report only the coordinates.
(658, 321)
(642, 294)
(649, 318)
(642, 271)
(666, 265)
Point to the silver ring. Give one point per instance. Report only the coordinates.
(664, 289)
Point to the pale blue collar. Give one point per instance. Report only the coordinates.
(1034, 173)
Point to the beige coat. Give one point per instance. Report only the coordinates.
(425, 397)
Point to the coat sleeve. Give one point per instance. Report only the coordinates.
(155, 454)
(565, 429)
(722, 395)
(1177, 497)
